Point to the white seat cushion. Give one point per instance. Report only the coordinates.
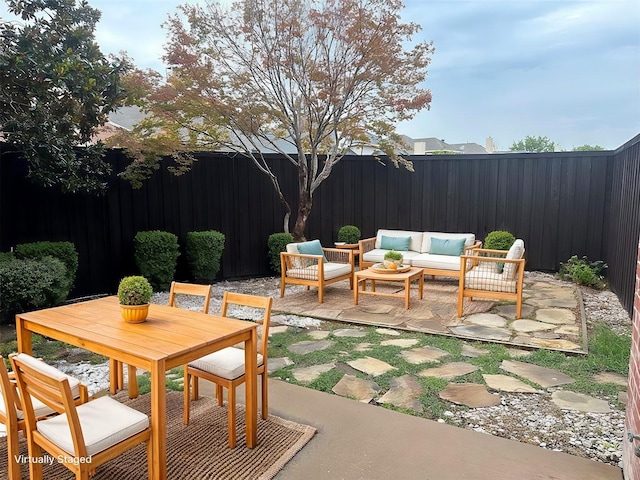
(226, 363)
(488, 280)
(440, 262)
(105, 422)
(515, 253)
(377, 256)
(331, 270)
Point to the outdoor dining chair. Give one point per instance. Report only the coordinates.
(12, 413)
(84, 436)
(177, 288)
(226, 367)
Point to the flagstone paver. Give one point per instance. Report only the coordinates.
(387, 331)
(308, 346)
(530, 326)
(571, 330)
(358, 388)
(404, 392)
(419, 355)
(623, 398)
(505, 383)
(482, 332)
(559, 344)
(278, 363)
(486, 320)
(469, 394)
(509, 311)
(545, 377)
(611, 377)
(349, 332)
(309, 374)
(377, 309)
(472, 352)
(277, 329)
(400, 342)
(363, 347)
(546, 335)
(426, 325)
(558, 316)
(371, 366)
(319, 334)
(567, 400)
(518, 352)
(449, 371)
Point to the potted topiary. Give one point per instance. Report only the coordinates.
(134, 293)
(393, 259)
(348, 234)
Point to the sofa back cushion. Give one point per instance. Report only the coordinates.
(414, 243)
(447, 246)
(401, 244)
(469, 239)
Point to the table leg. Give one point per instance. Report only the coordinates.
(158, 420)
(407, 292)
(251, 388)
(421, 285)
(24, 337)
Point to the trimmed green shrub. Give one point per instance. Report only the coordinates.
(349, 234)
(134, 290)
(277, 243)
(204, 251)
(499, 240)
(156, 254)
(31, 284)
(583, 272)
(4, 256)
(64, 251)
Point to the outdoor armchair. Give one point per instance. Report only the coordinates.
(12, 412)
(308, 263)
(495, 274)
(84, 436)
(226, 367)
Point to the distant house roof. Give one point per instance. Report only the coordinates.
(429, 145)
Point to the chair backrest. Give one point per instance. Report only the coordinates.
(49, 385)
(253, 301)
(190, 289)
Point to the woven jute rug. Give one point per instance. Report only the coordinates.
(198, 451)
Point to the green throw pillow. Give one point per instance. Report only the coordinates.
(395, 243)
(311, 248)
(447, 246)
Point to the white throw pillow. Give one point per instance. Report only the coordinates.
(516, 252)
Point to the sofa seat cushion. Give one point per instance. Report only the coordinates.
(469, 239)
(488, 280)
(439, 262)
(331, 270)
(415, 241)
(377, 256)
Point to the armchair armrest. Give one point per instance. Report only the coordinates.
(367, 245)
(339, 255)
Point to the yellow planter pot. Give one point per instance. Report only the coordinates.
(135, 313)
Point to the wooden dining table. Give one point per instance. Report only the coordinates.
(170, 337)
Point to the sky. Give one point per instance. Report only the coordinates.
(565, 69)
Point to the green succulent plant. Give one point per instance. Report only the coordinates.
(134, 290)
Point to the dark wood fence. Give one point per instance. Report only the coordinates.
(561, 204)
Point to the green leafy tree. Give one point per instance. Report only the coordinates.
(313, 77)
(533, 145)
(55, 89)
(587, 148)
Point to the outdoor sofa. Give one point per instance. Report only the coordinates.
(309, 264)
(438, 253)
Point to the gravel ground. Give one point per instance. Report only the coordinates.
(528, 418)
